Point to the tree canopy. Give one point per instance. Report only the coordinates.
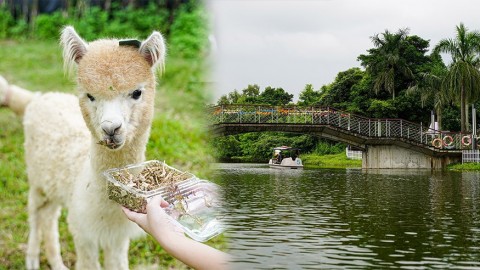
(252, 95)
(462, 80)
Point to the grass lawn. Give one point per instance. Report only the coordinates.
(177, 136)
(464, 167)
(330, 161)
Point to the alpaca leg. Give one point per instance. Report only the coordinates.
(116, 254)
(87, 252)
(49, 224)
(35, 202)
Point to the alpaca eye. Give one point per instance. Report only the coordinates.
(136, 94)
(90, 97)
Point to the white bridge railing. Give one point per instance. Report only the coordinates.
(353, 154)
(368, 127)
(470, 156)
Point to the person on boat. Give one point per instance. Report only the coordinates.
(295, 154)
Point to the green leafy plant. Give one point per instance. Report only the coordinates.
(49, 26)
(189, 36)
(6, 21)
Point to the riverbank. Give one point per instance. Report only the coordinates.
(340, 161)
(334, 161)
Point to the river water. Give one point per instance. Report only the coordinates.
(351, 219)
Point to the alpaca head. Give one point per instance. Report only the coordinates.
(116, 84)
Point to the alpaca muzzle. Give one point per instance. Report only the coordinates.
(111, 128)
(112, 134)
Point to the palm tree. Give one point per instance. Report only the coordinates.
(429, 87)
(462, 80)
(390, 61)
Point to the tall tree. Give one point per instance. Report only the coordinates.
(338, 94)
(223, 100)
(430, 90)
(234, 97)
(251, 93)
(309, 96)
(275, 96)
(386, 62)
(463, 77)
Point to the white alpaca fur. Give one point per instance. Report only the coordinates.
(64, 159)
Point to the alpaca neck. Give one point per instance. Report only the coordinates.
(103, 158)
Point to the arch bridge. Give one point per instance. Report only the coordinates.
(385, 143)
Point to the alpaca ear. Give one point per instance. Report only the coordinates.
(153, 50)
(74, 48)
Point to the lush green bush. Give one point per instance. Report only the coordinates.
(186, 27)
(19, 30)
(257, 147)
(6, 21)
(189, 34)
(141, 22)
(49, 26)
(464, 167)
(92, 24)
(326, 148)
(330, 161)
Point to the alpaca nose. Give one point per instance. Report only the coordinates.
(111, 127)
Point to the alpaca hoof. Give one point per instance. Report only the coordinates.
(32, 263)
(60, 267)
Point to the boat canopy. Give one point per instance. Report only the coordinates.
(283, 148)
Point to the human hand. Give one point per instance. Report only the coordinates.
(155, 221)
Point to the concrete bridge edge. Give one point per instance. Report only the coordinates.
(395, 157)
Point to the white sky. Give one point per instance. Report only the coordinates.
(290, 43)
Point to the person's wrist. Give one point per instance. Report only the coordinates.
(166, 237)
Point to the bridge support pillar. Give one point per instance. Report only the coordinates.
(394, 157)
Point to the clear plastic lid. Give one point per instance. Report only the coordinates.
(194, 203)
(197, 212)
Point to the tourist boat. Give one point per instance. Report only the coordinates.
(286, 157)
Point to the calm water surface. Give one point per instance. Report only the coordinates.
(351, 219)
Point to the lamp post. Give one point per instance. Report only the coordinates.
(474, 128)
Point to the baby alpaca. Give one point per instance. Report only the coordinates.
(70, 140)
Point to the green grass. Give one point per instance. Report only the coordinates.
(177, 136)
(464, 167)
(329, 161)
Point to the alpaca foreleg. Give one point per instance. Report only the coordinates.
(35, 201)
(87, 252)
(49, 225)
(116, 254)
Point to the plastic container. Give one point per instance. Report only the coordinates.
(197, 213)
(194, 203)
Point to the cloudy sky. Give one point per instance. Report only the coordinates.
(290, 43)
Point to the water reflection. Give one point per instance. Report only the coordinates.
(354, 219)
